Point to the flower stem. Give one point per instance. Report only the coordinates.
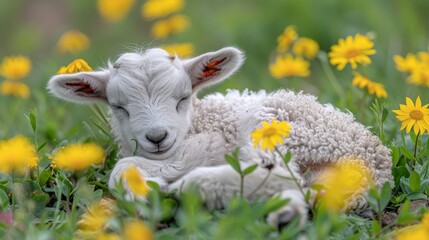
(13, 194)
(241, 185)
(330, 75)
(415, 146)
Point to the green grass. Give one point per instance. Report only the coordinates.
(54, 199)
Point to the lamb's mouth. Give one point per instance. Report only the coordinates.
(162, 150)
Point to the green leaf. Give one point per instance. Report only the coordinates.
(416, 196)
(395, 155)
(40, 147)
(4, 200)
(287, 157)
(405, 216)
(250, 169)
(233, 161)
(33, 119)
(407, 153)
(386, 193)
(376, 228)
(44, 176)
(414, 181)
(384, 115)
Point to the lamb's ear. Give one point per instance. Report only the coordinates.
(213, 67)
(82, 87)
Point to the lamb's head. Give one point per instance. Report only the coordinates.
(149, 94)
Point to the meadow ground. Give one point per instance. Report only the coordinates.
(367, 57)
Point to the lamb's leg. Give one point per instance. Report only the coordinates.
(217, 185)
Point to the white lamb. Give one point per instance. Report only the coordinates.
(182, 140)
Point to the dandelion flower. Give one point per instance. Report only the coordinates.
(352, 50)
(15, 67)
(269, 135)
(17, 154)
(13, 88)
(73, 41)
(306, 47)
(341, 182)
(93, 221)
(419, 76)
(288, 66)
(78, 65)
(181, 49)
(373, 88)
(152, 9)
(137, 230)
(114, 10)
(286, 39)
(416, 116)
(78, 156)
(419, 231)
(173, 25)
(135, 182)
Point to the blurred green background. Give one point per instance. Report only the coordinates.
(32, 28)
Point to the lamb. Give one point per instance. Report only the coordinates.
(181, 140)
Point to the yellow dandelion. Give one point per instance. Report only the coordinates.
(15, 67)
(419, 231)
(306, 47)
(78, 156)
(269, 135)
(288, 66)
(180, 49)
(114, 10)
(78, 65)
(407, 64)
(135, 182)
(346, 179)
(108, 236)
(373, 88)
(137, 230)
(93, 221)
(17, 154)
(424, 58)
(416, 116)
(173, 25)
(286, 39)
(352, 50)
(73, 41)
(16, 89)
(152, 9)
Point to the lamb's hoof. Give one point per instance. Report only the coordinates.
(283, 217)
(286, 217)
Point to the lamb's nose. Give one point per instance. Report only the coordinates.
(156, 136)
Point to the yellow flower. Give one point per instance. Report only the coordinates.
(16, 89)
(269, 135)
(341, 182)
(354, 50)
(108, 236)
(286, 39)
(419, 231)
(373, 88)
(17, 154)
(15, 67)
(173, 25)
(159, 8)
(181, 49)
(92, 222)
(78, 65)
(73, 41)
(306, 47)
(135, 182)
(419, 76)
(407, 64)
(414, 115)
(288, 66)
(114, 10)
(137, 230)
(78, 156)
